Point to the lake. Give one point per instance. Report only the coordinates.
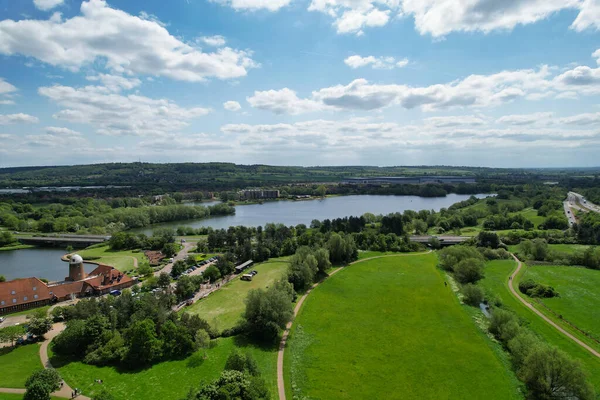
(303, 212)
(41, 263)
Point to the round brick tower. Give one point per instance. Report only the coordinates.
(76, 271)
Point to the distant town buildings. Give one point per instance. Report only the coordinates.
(25, 293)
(408, 180)
(258, 194)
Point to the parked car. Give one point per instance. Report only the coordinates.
(254, 272)
(115, 292)
(2, 319)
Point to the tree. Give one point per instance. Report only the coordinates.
(164, 280)
(302, 269)
(184, 288)
(322, 256)
(2, 278)
(488, 239)
(41, 383)
(170, 249)
(234, 385)
(178, 268)
(551, 374)
(39, 326)
(103, 394)
(202, 340)
(321, 190)
(211, 273)
(469, 270)
(473, 295)
(143, 345)
(237, 361)
(341, 249)
(11, 333)
(267, 312)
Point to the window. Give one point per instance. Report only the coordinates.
(2, 303)
(24, 298)
(14, 301)
(34, 288)
(35, 296)
(13, 292)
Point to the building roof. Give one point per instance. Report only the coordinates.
(22, 291)
(76, 259)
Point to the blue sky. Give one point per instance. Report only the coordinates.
(303, 82)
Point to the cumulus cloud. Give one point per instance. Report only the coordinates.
(116, 114)
(588, 17)
(6, 87)
(182, 142)
(357, 61)
(352, 16)
(126, 43)
(462, 120)
(55, 130)
(284, 101)
(215, 41)
(582, 119)
(254, 5)
(232, 106)
(46, 5)
(20, 118)
(115, 83)
(525, 119)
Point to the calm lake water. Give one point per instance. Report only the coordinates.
(303, 212)
(41, 263)
(46, 262)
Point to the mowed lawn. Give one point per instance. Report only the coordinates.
(496, 281)
(579, 289)
(389, 329)
(121, 260)
(223, 308)
(17, 363)
(170, 380)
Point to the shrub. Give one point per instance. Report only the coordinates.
(451, 256)
(533, 289)
(502, 324)
(473, 295)
(469, 270)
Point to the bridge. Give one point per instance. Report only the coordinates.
(79, 241)
(444, 240)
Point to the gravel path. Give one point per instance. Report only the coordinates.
(540, 314)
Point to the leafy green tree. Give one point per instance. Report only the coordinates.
(144, 347)
(238, 361)
(73, 341)
(321, 191)
(322, 256)
(202, 340)
(211, 273)
(184, 288)
(268, 311)
(341, 249)
(2, 278)
(469, 270)
(41, 383)
(473, 295)
(170, 249)
(178, 268)
(103, 394)
(551, 374)
(234, 385)
(164, 280)
(488, 239)
(302, 269)
(11, 333)
(39, 326)
(176, 340)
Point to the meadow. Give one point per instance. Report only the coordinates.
(496, 282)
(17, 363)
(170, 380)
(122, 260)
(390, 328)
(223, 308)
(578, 301)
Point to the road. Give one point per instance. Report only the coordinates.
(183, 253)
(540, 314)
(569, 213)
(578, 201)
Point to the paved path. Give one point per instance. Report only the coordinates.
(540, 314)
(183, 253)
(280, 380)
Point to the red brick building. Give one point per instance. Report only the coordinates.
(22, 294)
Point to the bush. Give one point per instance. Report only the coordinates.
(268, 311)
(451, 256)
(502, 325)
(533, 289)
(469, 270)
(473, 295)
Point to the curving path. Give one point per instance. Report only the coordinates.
(540, 314)
(280, 353)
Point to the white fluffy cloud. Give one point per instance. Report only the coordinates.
(463, 120)
(441, 17)
(115, 83)
(46, 5)
(352, 16)
(357, 61)
(6, 87)
(284, 101)
(254, 5)
(7, 119)
(525, 119)
(117, 114)
(127, 43)
(215, 41)
(232, 106)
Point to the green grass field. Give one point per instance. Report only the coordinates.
(31, 311)
(121, 260)
(496, 281)
(579, 300)
(169, 380)
(16, 364)
(223, 308)
(389, 329)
